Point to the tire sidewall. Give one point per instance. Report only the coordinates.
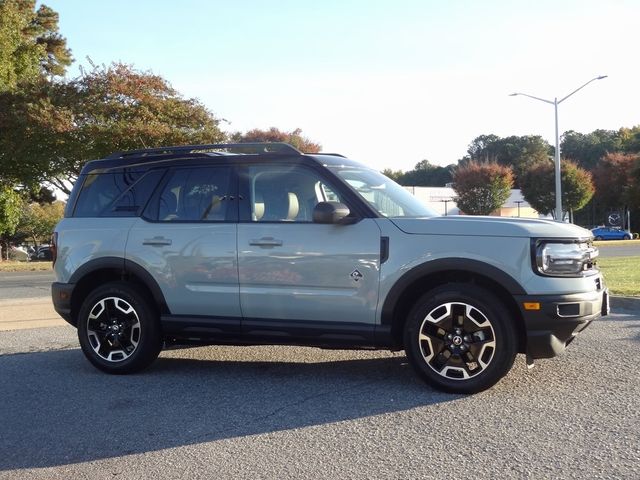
(149, 344)
(496, 313)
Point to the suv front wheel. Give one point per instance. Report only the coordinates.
(459, 338)
(118, 329)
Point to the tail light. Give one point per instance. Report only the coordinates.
(54, 247)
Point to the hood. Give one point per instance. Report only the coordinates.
(490, 227)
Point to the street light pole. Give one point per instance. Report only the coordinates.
(558, 174)
(518, 202)
(445, 205)
(555, 103)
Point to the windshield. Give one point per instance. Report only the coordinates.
(387, 197)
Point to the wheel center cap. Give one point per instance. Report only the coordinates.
(115, 328)
(457, 340)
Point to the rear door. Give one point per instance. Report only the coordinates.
(187, 242)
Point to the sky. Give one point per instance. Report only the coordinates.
(388, 83)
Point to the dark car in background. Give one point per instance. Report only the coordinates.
(43, 253)
(610, 233)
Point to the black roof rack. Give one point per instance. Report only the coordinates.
(249, 147)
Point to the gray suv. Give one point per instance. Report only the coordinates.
(248, 244)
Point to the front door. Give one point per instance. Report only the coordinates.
(297, 277)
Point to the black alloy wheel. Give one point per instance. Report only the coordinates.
(118, 330)
(460, 339)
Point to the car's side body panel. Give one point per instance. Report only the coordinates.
(195, 265)
(312, 272)
(83, 240)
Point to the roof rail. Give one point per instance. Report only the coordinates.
(330, 154)
(249, 147)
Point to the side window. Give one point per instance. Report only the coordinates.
(287, 193)
(198, 194)
(121, 194)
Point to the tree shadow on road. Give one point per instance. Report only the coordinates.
(56, 409)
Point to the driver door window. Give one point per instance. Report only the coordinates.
(286, 193)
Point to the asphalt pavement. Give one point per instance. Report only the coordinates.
(611, 249)
(289, 412)
(15, 285)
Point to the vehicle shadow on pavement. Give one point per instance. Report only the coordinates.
(56, 409)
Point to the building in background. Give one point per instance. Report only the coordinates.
(442, 200)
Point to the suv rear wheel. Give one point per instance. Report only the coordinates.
(460, 339)
(118, 329)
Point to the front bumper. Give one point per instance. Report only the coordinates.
(61, 296)
(559, 319)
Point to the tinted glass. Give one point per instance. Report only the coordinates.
(115, 194)
(196, 194)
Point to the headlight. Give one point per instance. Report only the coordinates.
(565, 259)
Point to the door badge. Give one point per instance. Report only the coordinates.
(356, 275)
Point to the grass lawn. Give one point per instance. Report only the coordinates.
(616, 243)
(11, 266)
(621, 275)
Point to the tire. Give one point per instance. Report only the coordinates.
(627, 237)
(598, 238)
(460, 338)
(118, 329)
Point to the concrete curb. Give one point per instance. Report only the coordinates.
(624, 303)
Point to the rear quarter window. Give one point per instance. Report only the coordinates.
(120, 194)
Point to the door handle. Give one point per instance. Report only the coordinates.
(266, 242)
(157, 241)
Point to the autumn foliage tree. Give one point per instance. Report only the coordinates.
(633, 193)
(482, 187)
(613, 179)
(48, 131)
(537, 183)
(294, 138)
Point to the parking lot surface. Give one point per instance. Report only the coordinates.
(286, 412)
(16, 285)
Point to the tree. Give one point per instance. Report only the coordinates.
(587, 149)
(30, 46)
(538, 186)
(37, 221)
(394, 175)
(630, 139)
(633, 191)
(48, 131)
(482, 187)
(10, 206)
(273, 134)
(484, 148)
(426, 175)
(612, 178)
(514, 151)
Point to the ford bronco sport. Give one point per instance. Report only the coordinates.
(249, 244)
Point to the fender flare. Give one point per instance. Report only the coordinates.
(125, 267)
(444, 265)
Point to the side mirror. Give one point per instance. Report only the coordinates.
(330, 212)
